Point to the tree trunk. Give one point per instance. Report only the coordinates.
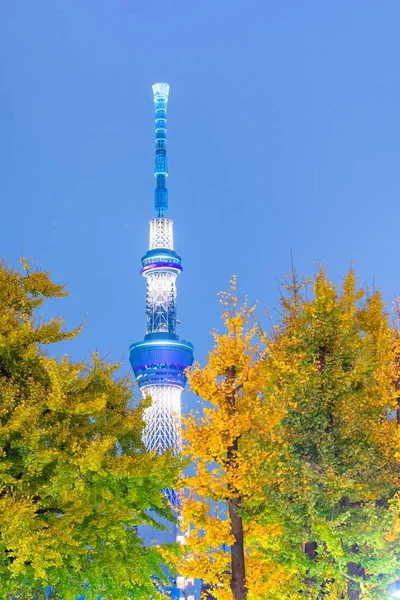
(353, 587)
(238, 577)
(310, 549)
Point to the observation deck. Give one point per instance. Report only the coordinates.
(161, 359)
(161, 258)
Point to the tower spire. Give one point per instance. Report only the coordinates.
(161, 92)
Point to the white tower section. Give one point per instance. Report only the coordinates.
(161, 233)
(161, 278)
(163, 418)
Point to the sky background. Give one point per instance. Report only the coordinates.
(283, 133)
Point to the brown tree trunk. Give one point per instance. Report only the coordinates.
(238, 577)
(310, 549)
(353, 587)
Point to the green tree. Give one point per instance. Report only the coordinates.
(333, 485)
(75, 479)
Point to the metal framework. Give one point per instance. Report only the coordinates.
(161, 301)
(161, 233)
(163, 417)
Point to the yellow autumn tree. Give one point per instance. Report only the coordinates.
(222, 549)
(296, 461)
(75, 479)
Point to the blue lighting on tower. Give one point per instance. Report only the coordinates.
(159, 360)
(161, 91)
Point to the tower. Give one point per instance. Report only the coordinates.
(160, 360)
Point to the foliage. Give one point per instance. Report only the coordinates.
(318, 460)
(333, 365)
(75, 479)
(220, 474)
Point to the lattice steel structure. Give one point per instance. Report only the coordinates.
(160, 360)
(164, 416)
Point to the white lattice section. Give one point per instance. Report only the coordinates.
(161, 233)
(161, 301)
(163, 418)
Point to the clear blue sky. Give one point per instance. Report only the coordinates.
(283, 132)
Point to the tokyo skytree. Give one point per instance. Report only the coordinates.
(160, 360)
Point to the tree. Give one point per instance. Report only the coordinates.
(307, 458)
(75, 479)
(220, 444)
(334, 484)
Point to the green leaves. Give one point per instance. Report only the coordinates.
(333, 363)
(75, 479)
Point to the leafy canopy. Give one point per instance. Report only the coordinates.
(75, 479)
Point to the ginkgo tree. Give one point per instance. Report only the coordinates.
(334, 484)
(222, 548)
(75, 479)
(296, 489)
